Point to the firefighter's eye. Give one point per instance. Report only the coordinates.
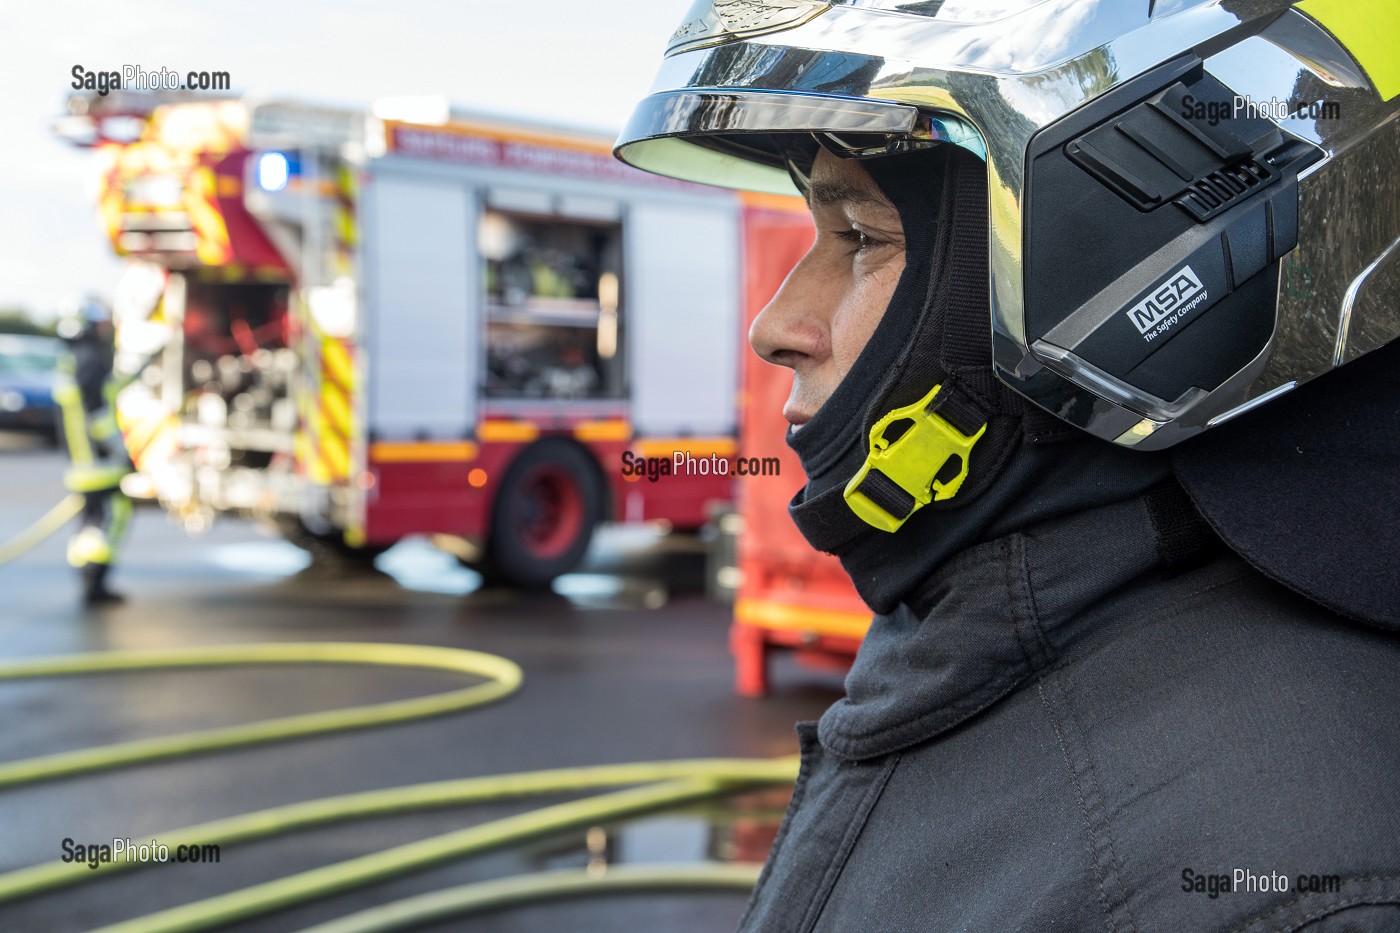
(856, 239)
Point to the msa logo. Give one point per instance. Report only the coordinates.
(1181, 289)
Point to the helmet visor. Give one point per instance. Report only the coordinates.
(746, 139)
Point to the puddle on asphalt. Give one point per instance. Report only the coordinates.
(259, 558)
(737, 829)
(417, 565)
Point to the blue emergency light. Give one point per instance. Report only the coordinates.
(274, 170)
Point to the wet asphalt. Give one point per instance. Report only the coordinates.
(625, 661)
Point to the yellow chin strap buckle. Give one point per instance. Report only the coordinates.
(913, 452)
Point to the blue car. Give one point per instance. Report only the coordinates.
(26, 384)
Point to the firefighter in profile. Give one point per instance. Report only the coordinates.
(1122, 496)
(86, 389)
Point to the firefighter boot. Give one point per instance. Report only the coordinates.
(95, 591)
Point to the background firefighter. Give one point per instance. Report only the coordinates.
(86, 390)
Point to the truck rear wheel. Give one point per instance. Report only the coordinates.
(544, 514)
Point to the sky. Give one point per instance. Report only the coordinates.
(562, 61)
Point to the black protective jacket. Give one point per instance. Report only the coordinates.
(1106, 722)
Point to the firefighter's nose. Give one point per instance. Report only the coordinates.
(791, 328)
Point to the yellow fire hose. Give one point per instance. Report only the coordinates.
(452, 903)
(29, 539)
(661, 784)
(503, 678)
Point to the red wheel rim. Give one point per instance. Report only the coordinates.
(549, 511)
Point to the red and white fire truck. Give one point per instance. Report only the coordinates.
(476, 330)
(366, 329)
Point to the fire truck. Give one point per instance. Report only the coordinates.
(362, 328)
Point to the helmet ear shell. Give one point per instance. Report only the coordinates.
(1152, 256)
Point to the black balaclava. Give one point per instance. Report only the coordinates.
(1028, 467)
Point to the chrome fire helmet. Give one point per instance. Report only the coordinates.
(1194, 205)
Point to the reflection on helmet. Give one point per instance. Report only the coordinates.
(1194, 207)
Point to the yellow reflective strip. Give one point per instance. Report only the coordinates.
(697, 446)
(1370, 31)
(89, 546)
(346, 218)
(421, 451)
(336, 457)
(507, 431)
(316, 467)
(335, 405)
(762, 613)
(211, 241)
(612, 430)
(93, 478)
(330, 450)
(318, 471)
(335, 360)
(345, 227)
(305, 448)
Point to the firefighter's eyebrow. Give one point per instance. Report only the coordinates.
(828, 192)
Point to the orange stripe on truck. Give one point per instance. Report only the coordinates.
(418, 451)
(490, 431)
(614, 429)
(696, 446)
